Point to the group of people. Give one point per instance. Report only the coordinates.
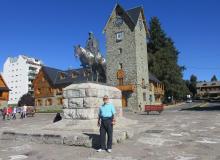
(11, 112)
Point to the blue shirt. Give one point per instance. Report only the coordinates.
(106, 110)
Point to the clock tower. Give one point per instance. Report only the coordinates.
(127, 63)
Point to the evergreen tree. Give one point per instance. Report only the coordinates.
(26, 99)
(192, 85)
(214, 78)
(163, 58)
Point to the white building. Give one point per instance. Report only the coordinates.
(19, 73)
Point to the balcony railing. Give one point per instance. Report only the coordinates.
(129, 87)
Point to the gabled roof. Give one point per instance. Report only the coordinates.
(53, 75)
(130, 16)
(208, 84)
(153, 78)
(134, 14)
(4, 88)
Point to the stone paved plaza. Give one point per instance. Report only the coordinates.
(174, 135)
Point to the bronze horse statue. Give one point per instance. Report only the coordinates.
(94, 62)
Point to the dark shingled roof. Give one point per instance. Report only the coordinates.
(130, 17)
(4, 89)
(153, 78)
(54, 76)
(134, 14)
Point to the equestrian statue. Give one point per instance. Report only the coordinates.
(91, 59)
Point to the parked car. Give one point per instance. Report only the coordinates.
(189, 101)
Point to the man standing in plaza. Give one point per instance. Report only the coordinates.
(106, 121)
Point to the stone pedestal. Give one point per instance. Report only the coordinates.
(82, 101)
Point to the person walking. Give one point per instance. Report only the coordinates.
(14, 113)
(9, 112)
(4, 113)
(106, 120)
(24, 111)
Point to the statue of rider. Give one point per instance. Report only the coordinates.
(92, 45)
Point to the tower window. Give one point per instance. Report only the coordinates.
(143, 83)
(74, 75)
(120, 50)
(38, 91)
(144, 97)
(120, 65)
(62, 76)
(119, 36)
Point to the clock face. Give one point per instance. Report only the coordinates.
(118, 21)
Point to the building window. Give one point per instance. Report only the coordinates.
(59, 91)
(150, 98)
(50, 90)
(39, 102)
(1, 93)
(62, 76)
(120, 81)
(43, 79)
(144, 97)
(59, 101)
(74, 75)
(120, 50)
(120, 66)
(49, 102)
(120, 76)
(38, 91)
(143, 83)
(119, 36)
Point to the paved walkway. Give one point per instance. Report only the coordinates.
(190, 134)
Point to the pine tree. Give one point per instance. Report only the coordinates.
(192, 85)
(214, 78)
(163, 58)
(26, 99)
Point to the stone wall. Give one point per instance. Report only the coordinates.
(82, 101)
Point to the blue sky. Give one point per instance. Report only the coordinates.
(48, 29)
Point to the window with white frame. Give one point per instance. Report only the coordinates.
(119, 36)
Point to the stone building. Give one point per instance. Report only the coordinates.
(127, 62)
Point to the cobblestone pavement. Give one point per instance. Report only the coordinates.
(192, 133)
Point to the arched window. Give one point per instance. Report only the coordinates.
(59, 101)
(48, 102)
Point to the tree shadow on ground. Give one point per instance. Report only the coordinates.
(208, 108)
(95, 140)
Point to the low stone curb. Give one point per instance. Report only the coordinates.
(84, 139)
